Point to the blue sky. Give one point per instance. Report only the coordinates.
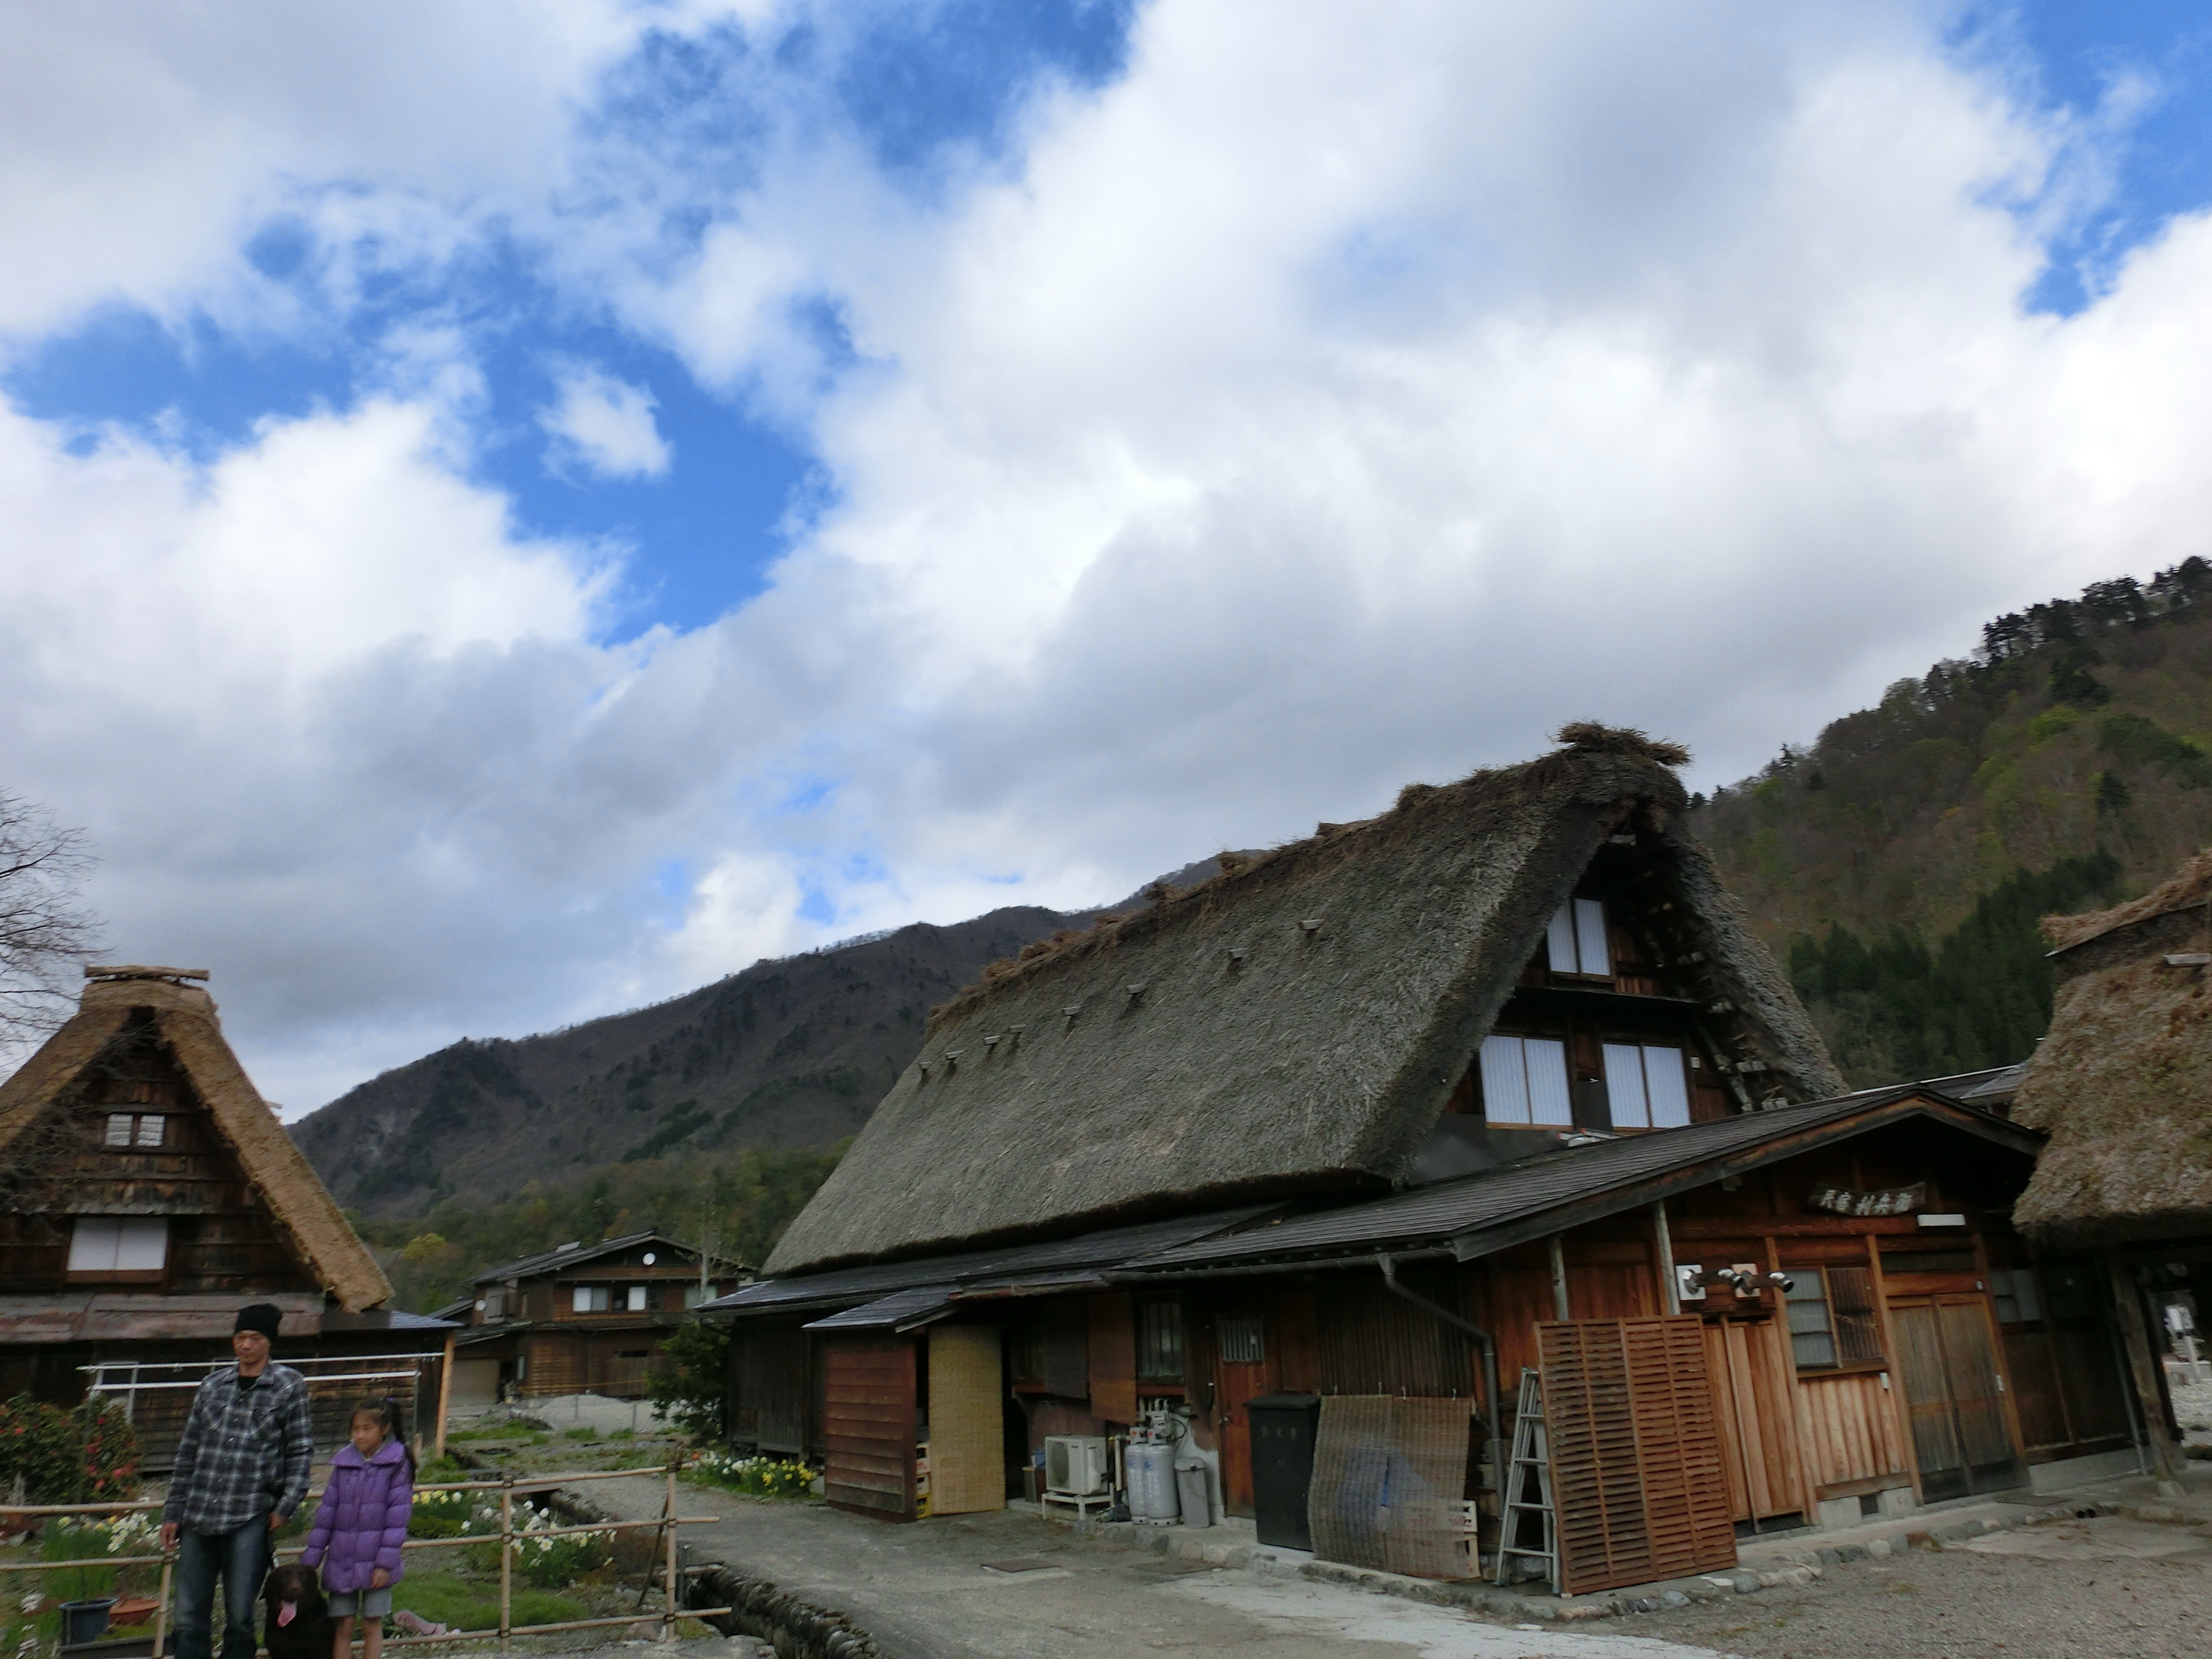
(515, 510)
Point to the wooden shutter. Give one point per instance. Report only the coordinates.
(1637, 1472)
(966, 1427)
(867, 1424)
(1113, 1357)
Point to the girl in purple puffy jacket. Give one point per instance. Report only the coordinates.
(361, 1523)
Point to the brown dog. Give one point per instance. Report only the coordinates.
(298, 1625)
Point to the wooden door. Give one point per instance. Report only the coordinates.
(1244, 1366)
(1954, 1397)
(1753, 1373)
(867, 1424)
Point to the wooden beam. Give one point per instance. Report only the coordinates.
(445, 1391)
(2143, 1370)
(1670, 1293)
(1559, 1281)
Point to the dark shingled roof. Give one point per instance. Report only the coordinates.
(1483, 1213)
(1139, 1067)
(567, 1256)
(1063, 1260)
(2122, 1081)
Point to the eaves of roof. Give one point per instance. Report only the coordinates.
(1493, 1211)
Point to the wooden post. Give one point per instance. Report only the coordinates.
(161, 1614)
(669, 1634)
(1670, 1293)
(1558, 1281)
(1900, 1415)
(2142, 1368)
(506, 1557)
(445, 1391)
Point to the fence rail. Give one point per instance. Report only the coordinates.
(508, 1489)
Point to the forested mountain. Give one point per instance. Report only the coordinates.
(1899, 863)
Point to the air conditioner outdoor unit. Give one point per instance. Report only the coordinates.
(1075, 1464)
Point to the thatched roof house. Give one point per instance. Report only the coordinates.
(1300, 1023)
(204, 1162)
(2123, 1081)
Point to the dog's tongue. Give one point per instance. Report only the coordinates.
(285, 1610)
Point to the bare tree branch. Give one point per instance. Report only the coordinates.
(47, 934)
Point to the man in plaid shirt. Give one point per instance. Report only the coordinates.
(241, 1469)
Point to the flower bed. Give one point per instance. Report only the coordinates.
(762, 1477)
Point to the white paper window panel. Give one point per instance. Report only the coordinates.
(119, 1244)
(118, 1129)
(151, 1130)
(1624, 1086)
(591, 1298)
(1560, 941)
(1666, 1088)
(1590, 943)
(637, 1299)
(1524, 1081)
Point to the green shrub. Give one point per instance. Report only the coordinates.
(68, 1457)
(689, 1384)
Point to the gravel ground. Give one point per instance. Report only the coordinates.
(1965, 1604)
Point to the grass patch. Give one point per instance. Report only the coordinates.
(465, 1604)
(586, 1432)
(631, 1434)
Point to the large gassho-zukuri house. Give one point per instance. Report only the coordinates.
(147, 1192)
(1496, 1085)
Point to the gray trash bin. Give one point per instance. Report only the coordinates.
(1190, 1487)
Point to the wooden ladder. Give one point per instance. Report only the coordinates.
(1531, 1455)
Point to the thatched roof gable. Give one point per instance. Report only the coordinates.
(184, 1019)
(1294, 1024)
(2124, 1080)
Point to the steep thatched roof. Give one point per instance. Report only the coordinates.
(2124, 1080)
(1293, 1024)
(184, 1019)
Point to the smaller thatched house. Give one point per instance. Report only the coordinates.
(2123, 1085)
(147, 1191)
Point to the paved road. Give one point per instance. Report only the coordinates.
(924, 1592)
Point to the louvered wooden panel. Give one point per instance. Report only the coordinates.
(1636, 1474)
(867, 1424)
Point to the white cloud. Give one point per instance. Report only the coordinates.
(1313, 409)
(605, 427)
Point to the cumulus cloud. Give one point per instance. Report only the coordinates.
(605, 427)
(1308, 410)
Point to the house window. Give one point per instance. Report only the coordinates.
(125, 1129)
(119, 1244)
(1646, 1086)
(694, 1294)
(1832, 1317)
(1241, 1340)
(1524, 1081)
(594, 1298)
(637, 1299)
(1577, 942)
(2015, 1290)
(1159, 1341)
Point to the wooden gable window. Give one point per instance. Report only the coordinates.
(127, 1130)
(1646, 1086)
(593, 1298)
(105, 1245)
(1524, 1082)
(1831, 1318)
(1576, 942)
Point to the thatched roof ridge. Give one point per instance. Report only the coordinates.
(2189, 888)
(2124, 1080)
(184, 1019)
(1293, 1024)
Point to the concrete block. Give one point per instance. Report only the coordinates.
(1898, 1500)
(1836, 1513)
(2051, 1478)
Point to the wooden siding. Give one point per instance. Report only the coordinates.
(1752, 1377)
(867, 1424)
(1373, 1342)
(1113, 1357)
(967, 1421)
(553, 1364)
(769, 1391)
(1847, 1423)
(1636, 1455)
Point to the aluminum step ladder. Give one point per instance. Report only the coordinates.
(1531, 1456)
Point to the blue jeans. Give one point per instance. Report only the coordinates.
(241, 1558)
